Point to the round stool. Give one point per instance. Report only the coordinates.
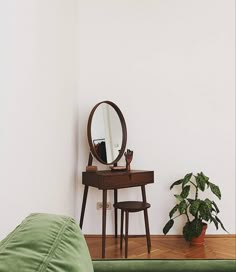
(132, 206)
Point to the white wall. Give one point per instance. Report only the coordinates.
(37, 108)
(170, 67)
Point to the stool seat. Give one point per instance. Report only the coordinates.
(132, 206)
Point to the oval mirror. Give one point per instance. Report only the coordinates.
(107, 134)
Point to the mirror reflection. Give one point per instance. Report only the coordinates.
(106, 133)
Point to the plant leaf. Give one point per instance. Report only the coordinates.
(204, 176)
(176, 183)
(208, 203)
(192, 229)
(193, 209)
(200, 182)
(221, 224)
(168, 226)
(190, 200)
(182, 207)
(206, 179)
(187, 232)
(215, 222)
(172, 212)
(196, 227)
(186, 179)
(185, 191)
(204, 210)
(216, 208)
(178, 197)
(215, 190)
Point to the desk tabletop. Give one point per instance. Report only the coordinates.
(117, 172)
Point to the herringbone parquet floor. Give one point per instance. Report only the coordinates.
(166, 247)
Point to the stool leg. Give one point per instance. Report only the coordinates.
(147, 230)
(115, 201)
(126, 233)
(121, 228)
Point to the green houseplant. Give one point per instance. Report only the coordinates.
(197, 211)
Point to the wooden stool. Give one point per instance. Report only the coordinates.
(132, 206)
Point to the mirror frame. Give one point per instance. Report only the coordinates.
(124, 132)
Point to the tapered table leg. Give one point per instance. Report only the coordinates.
(83, 206)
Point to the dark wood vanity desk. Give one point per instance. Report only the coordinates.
(113, 180)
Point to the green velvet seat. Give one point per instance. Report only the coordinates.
(45, 243)
(164, 265)
(53, 243)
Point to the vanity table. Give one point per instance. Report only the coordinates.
(113, 180)
(107, 136)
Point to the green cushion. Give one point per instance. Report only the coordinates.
(164, 265)
(44, 242)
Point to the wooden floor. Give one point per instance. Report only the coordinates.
(166, 247)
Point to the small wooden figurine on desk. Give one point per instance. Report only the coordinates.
(128, 157)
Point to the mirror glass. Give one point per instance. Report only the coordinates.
(107, 132)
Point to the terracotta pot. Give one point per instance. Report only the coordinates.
(199, 241)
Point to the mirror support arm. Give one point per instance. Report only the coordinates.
(90, 159)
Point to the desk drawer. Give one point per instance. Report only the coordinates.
(126, 179)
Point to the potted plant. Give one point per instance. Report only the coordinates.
(197, 211)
